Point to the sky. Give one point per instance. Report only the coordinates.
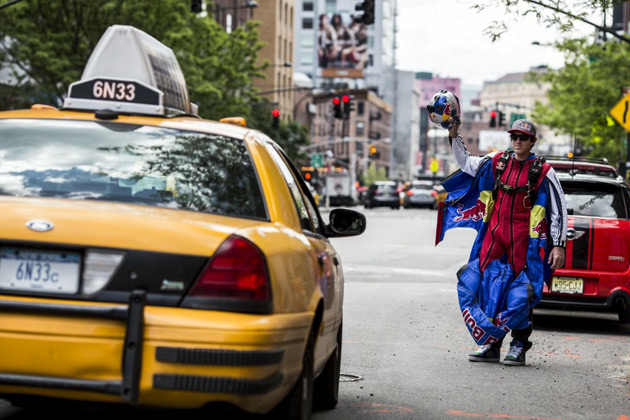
(446, 37)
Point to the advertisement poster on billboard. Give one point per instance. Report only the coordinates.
(342, 49)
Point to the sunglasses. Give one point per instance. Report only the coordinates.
(521, 137)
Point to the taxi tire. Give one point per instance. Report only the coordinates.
(326, 392)
(298, 404)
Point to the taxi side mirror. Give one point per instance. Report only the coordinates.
(344, 222)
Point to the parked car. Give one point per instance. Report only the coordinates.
(420, 194)
(596, 274)
(382, 194)
(153, 258)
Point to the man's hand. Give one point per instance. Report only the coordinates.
(452, 132)
(556, 257)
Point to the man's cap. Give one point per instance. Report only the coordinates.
(524, 126)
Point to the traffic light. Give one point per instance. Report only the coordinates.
(367, 7)
(501, 119)
(337, 107)
(196, 6)
(493, 118)
(348, 106)
(374, 153)
(276, 118)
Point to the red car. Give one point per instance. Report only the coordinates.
(596, 274)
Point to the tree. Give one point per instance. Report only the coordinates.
(50, 41)
(373, 174)
(289, 135)
(561, 14)
(583, 92)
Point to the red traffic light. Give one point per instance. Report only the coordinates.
(493, 114)
(275, 112)
(345, 99)
(336, 101)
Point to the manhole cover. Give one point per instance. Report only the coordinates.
(347, 377)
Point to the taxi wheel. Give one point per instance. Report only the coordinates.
(298, 404)
(326, 393)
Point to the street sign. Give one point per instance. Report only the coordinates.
(434, 165)
(621, 112)
(317, 160)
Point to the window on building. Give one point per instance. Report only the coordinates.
(331, 6)
(286, 13)
(280, 11)
(291, 18)
(370, 60)
(307, 23)
(360, 108)
(228, 23)
(470, 140)
(306, 58)
(360, 128)
(307, 6)
(307, 41)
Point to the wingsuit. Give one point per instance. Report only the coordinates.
(519, 212)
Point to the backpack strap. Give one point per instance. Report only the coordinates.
(533, 175)
(499, 168)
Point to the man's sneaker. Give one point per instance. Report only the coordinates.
(485, 353)
(516, 355)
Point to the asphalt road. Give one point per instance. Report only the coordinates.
(405, 337)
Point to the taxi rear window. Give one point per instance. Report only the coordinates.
(138, 164)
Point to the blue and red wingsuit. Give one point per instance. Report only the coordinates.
(492, 297)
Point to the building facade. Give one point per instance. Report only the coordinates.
(516, 97)
(406, 131)
(346, 143)
(278, 34)
(231, 14)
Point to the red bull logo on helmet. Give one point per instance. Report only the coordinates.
(474, 213)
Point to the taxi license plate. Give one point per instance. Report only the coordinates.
(39, 271)
(570, 285)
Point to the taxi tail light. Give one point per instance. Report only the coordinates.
(237, 270)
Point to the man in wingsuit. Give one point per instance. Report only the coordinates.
(515, 202)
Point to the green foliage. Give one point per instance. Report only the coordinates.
(373, 174)
(52, 40)
(289, 135)
(560, 14)
(583, 92)
(49, 43)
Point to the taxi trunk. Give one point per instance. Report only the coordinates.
(66, 342)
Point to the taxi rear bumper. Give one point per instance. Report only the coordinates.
(184, 361)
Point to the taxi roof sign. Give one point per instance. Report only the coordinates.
(130, 71)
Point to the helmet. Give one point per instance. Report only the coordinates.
(443, 106)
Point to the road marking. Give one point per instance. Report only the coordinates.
(496, 415)
(378, 269)
(383, 408)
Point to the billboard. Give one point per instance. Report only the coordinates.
(342, 45)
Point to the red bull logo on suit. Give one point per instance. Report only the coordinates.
(475, 213)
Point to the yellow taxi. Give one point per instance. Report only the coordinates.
(152, 258)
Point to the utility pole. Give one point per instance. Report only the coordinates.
(395, 151)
